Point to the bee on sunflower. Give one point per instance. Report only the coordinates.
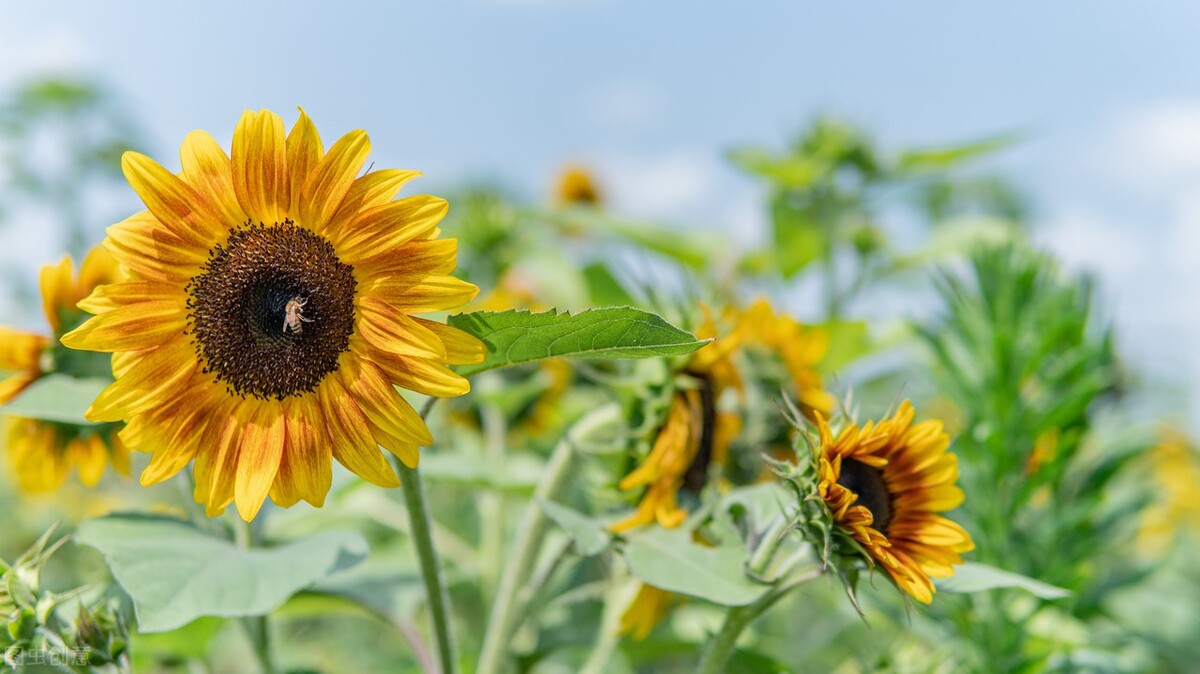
(269, 315)
(42, 452)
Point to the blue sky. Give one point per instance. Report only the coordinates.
(653, 93)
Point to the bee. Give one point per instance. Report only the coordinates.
(293, 315)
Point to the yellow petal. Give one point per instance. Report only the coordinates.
(304, 150)
(157, 375)
(176, 206)
(132, 326)
(209, 171)
(305, 472)
(415, 258)
(151, 251)
(55, 282)
(350, 437)
(420, 295)
(113, 296)
(461, 348)
(375, 189)
(380, 230)
(391, 331)
(260, 176)
(20, 351)
(258, 463)
(331, 179)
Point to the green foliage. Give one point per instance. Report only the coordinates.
(57, 397)
(590, 537)
(515, 337)
(974, 577)
(175, 572)
(671, 560)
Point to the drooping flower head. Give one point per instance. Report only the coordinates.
(884, 484)
(269, 315)
(695, 434)
(42, 453)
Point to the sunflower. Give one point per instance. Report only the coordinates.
(1176, 471)
(884, 484)
(577, 186)
(268, 317)
(694, 435)
(40, 452)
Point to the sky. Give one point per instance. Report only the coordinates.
(1106, 96)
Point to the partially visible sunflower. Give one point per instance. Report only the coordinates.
(269, 315)
(1176, 469)
(695, 434)
(42, 452)
(884, 484)
(577, 186)
(800, 347)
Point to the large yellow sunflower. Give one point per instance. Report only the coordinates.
(42, 453)
(884, 484)
(268, 317)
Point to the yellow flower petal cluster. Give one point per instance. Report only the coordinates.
(269, 315)
(42, 453)
(885, 484)
(800, 347)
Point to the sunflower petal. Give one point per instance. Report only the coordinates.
(304, 150)
(148, 249)
(177, 207)
(461, 348)
(331, 179)
(263, 440)
(260, 175)
(209, 171)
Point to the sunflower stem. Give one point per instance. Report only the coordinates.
(528, 540)
(721, 647)
(431, 571)
(249, 535)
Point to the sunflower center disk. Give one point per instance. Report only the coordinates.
(868, 484)
(272, 310)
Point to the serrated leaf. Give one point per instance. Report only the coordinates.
(670, 560)
(175, 573)
(514, 337)
(589, 535)
(975, 577)
(57, 397)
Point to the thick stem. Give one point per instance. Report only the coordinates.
(528, 541)
(431, 570)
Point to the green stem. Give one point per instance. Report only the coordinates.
(431, 571)
(491, 503)
(721, 647)
(247, 535)
(528, 541)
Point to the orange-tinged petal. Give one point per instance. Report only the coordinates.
(415, 258)
(263, 439)
(350, 435)
(209, 171)
(260, 175)
(98, 267)
(375, 189)
(148, 249)
(304, 150)
(394, 332)
(112, 296)
(461, 348)
(331, 179)
(382, 229)
(431, 293)
(155, 377)
(217, 461)
(305, 472)
(383, 405)
(178, 207)
(10, 388)
(131, 327)
(423, 376)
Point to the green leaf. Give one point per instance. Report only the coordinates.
(603, 287)
(513, 337)
(975, 577)
(57, 397)
(936, 159)
(175, 573)
(516, 473)
(589, 535)
(670, 560)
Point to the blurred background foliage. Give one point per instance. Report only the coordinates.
(1070, 478)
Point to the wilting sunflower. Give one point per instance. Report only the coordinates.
(577, 186)
(269, 315)
(884, 484)
(694, 435)
(42, 453)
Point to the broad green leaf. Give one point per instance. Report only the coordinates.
(395, 595)
(759, 503)
(975, 577)
(848, 340)
(514, 337)
(589, 535)
(796, 171)
(670, 560)
(175, 573)
(57, 397)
